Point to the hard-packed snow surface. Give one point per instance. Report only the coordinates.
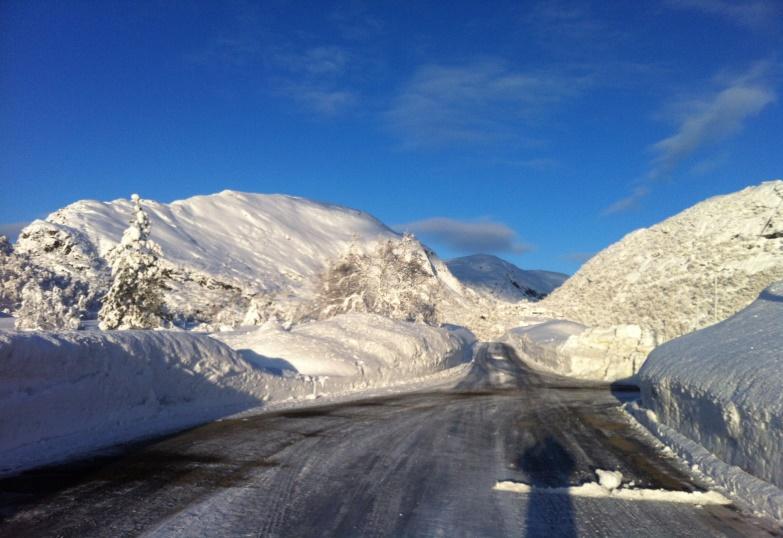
(685, 273)
(569, 348)
(502, 280)
(723, 387)
(65, 393)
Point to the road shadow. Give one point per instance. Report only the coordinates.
(548, 464)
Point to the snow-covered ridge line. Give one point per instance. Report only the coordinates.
(686, 272)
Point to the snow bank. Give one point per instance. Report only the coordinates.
(358, 349)
(66, 392)
(722, 387)
(569, 348)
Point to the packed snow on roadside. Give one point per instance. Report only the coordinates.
(63, 394)
(352, 350)
(569, 348)
(721, 387)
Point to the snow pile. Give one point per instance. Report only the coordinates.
(609, 486)
(721, 387)
(497, 278)
(353, 350)
(569, 348)
(65, 393)
(62, 393)
(685, 273)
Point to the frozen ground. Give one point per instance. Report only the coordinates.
(721, 387)
(66, 393)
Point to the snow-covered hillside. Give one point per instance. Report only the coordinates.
(492, 276)
(234, 257)
(687, 272)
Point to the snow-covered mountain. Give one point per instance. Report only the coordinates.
(687, 272)
(233, 257)
(493, 276)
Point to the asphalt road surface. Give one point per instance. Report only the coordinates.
(418, 464)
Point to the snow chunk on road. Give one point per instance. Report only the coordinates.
(608, 488)
(609, 479)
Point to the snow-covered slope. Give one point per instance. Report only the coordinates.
(498, 278)
(266, 242)
(687, 272)
(721, 386)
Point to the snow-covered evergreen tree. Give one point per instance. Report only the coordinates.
(135, 299)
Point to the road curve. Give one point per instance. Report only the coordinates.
(419, 464)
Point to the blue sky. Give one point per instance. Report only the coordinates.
(539, 131)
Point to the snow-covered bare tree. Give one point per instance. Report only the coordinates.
(135, 298)
(396, 280)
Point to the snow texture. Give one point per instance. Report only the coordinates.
(67, 393)
(598, 491)
(356, 346)
(497, 278)
(569, 348)
(721, 387)
(685, 273)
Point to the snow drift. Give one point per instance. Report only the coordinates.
(721, 386)
(499, 279)
(364, 348)
(66, 393)
(572, 349)
(687, 272)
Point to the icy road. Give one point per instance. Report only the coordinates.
(419, 464)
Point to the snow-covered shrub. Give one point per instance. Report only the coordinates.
(135, 299)
(396, 280)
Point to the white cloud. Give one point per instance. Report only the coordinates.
(704, 122)
(479, 102)
(711, 120)
(470, 237)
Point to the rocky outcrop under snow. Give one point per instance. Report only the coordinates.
(687, 272)
(499, 279)
(721, 387)
(572, 349)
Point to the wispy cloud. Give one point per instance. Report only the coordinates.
(753, 14)
(11, 229)
(714, 118)
(703, 122)
(485, 236)
(479, 102)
